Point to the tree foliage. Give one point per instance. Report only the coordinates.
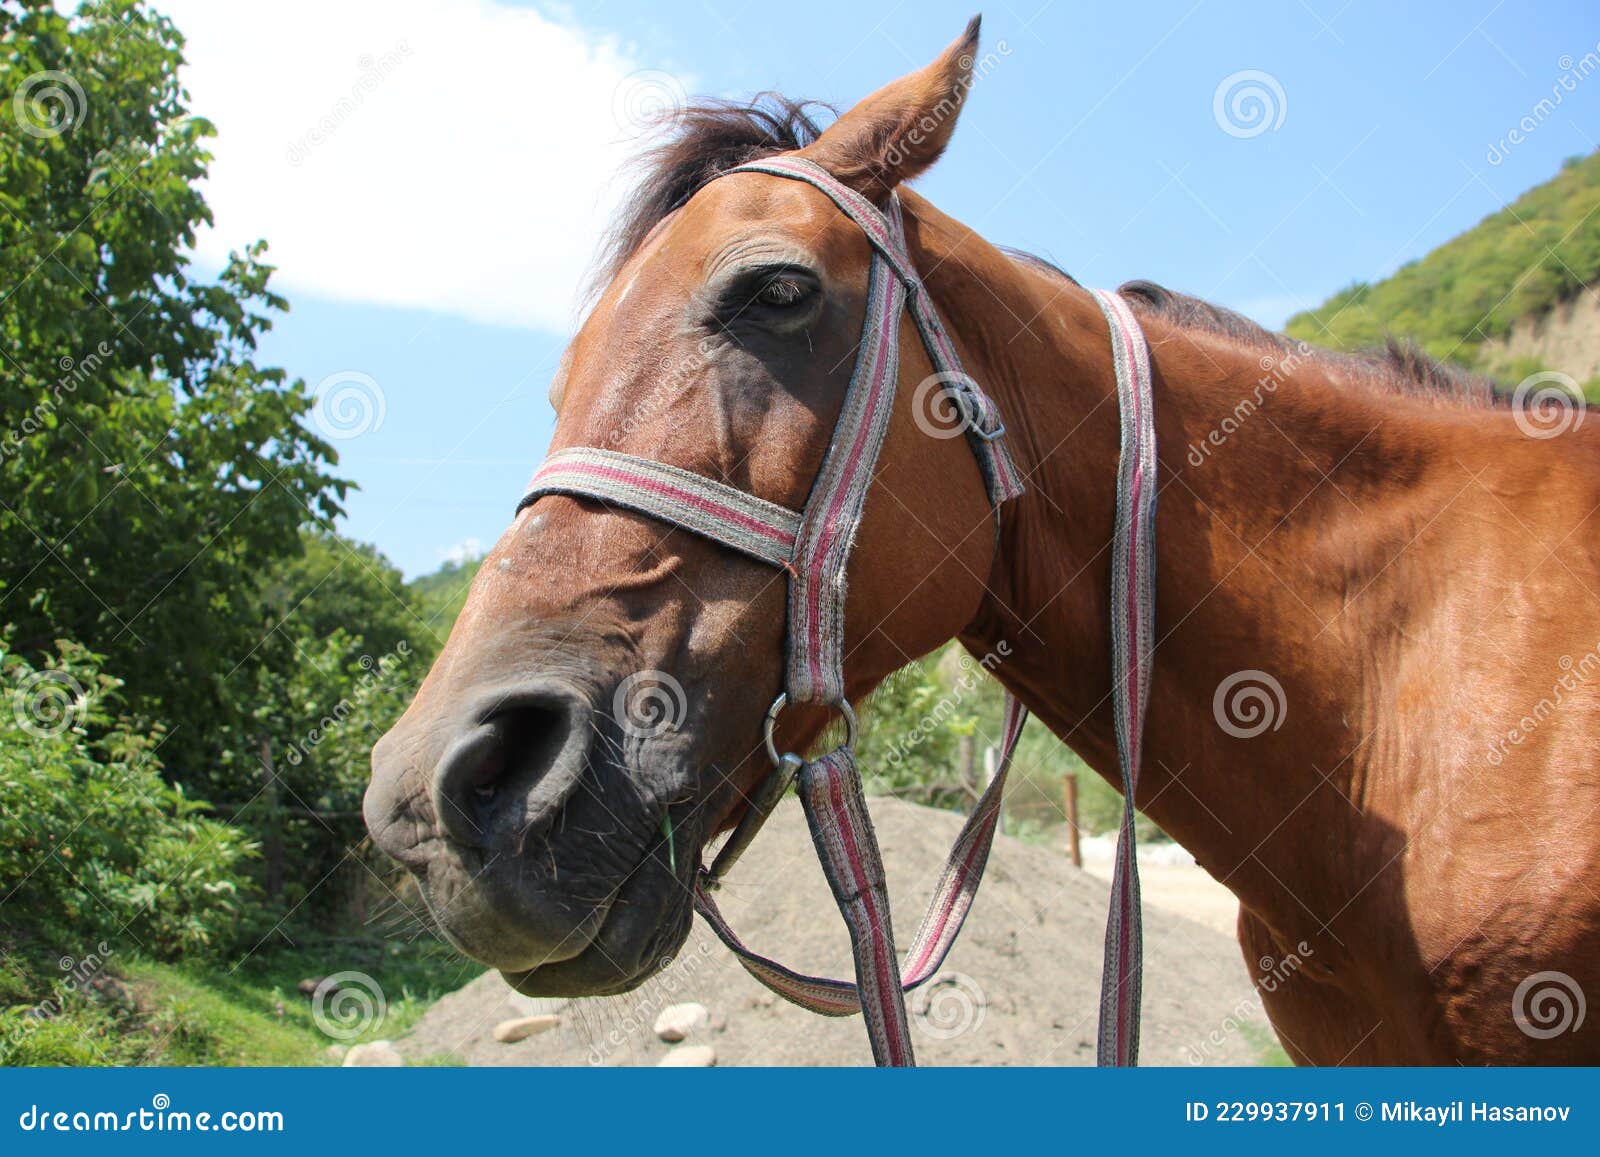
(1538, 251)
(149, 468)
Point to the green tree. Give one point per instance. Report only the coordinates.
(150, 470)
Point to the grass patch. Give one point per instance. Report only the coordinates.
(1269, 1053)
(143, 1012)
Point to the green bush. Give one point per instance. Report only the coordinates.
(95, 846)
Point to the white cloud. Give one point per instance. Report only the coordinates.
(467, 550)
(447, 154)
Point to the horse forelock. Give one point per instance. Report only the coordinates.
(698, 143)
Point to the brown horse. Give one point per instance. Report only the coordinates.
(1374, 704)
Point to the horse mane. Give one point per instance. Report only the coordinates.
(706, 138)
(1399, 366)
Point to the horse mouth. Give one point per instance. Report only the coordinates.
(589, 938)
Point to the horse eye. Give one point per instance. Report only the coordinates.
(782, 292)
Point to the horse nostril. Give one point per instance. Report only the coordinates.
(511, 771)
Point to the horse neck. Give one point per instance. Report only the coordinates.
(1256, 551)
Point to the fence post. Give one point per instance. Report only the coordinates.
(272, 830)
(1070, 787)
(991, 768)
(966, 765)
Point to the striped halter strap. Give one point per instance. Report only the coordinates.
(813, 546)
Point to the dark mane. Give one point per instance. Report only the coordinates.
(1400, 366)
(706, 138)
(699, 142)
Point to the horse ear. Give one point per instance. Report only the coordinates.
(899, 131)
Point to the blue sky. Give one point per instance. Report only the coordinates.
(436, 262)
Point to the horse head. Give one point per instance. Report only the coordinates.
(596, 715)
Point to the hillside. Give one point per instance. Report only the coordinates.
(1466, 297)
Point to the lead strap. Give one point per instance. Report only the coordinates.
(1132, 644)
(836, 822)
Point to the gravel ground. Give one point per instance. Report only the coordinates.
(1019, 988)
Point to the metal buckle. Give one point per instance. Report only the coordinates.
(851, 727)
(989, 435)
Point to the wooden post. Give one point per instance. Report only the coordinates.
(1070, 787)
(966, 765)
(272, 830)
(991, 768)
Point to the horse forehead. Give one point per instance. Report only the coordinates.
(743, 207)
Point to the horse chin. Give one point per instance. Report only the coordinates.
(639, 937)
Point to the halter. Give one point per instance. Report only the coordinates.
(814, 546)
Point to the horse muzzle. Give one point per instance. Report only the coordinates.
(536, 850)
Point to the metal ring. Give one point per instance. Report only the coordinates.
(850, 725)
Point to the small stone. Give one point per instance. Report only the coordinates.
(510, 1031)
(336, 1052)
(378, 1054)
(679, 1020)
(689, 1057)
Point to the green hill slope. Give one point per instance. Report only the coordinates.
(1521, 261)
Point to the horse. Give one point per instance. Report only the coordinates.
(1372, 709)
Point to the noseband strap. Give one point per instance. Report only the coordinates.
(813, 546)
